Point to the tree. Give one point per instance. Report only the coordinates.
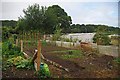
(44, 19)
(9, 23)
(57, 33)
(5, 33)
(101, 37)
(33, 19)
(56, 15)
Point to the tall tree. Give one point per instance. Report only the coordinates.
(56, 15)
(33, 19)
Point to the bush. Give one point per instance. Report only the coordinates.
(101, 39)
(5, 33)
(10, 50)
(44, 43)
(57, 34)
(44, 71)
(117, 60)
(66, 39)
(20, 62)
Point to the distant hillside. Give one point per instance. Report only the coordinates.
(9, 23)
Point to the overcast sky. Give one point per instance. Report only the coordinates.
(87, 12)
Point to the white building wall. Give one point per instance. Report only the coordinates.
(84, 37)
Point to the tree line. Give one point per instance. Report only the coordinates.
(74, 28)
(47, 19)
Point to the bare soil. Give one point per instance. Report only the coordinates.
(12, 72)
(90, 66)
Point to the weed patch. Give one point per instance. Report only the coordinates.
(69, 54)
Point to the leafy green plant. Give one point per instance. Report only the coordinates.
(14, 37)
(44, 43)
(5, 33)
(44, 71)
(101, 39)
(10, 50)
(67, 40)
(20, 62)
(117, 60)
(57, 33)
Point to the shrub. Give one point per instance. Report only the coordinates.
(20, 62)
(66, 39)
(117, 60)
(44, 71)
(5, 33)
(44, 43)
(57, 34)
(10, 50)
(101, 39)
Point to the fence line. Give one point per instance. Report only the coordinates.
(107, 50)
(63, 44)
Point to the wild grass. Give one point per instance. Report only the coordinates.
(67, 54)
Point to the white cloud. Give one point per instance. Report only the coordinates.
(104, 14)
(81, 12)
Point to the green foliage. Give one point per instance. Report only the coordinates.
(66, 39)
(9, 23)
(43, 19)
(14, 37)
(33, 19)
(117, 60)
(101, 39)
(90, 28)
(5, 33)
(115, 37)
(13, 56)
(69, 54)
(44, 43)
(57, 34)
(20, 62)
(115, 40)
(69, 40)
(44, 71)
(10, 50)
(56, 15)
(5, 65)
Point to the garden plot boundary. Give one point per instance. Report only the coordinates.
(38, 55)
(107, 50)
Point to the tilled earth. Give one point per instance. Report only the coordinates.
(89, 66)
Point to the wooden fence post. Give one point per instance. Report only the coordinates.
(44, 37)
(70, 45)
(21, 45)
(61, 43)
(16, 42)
(39, 55)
